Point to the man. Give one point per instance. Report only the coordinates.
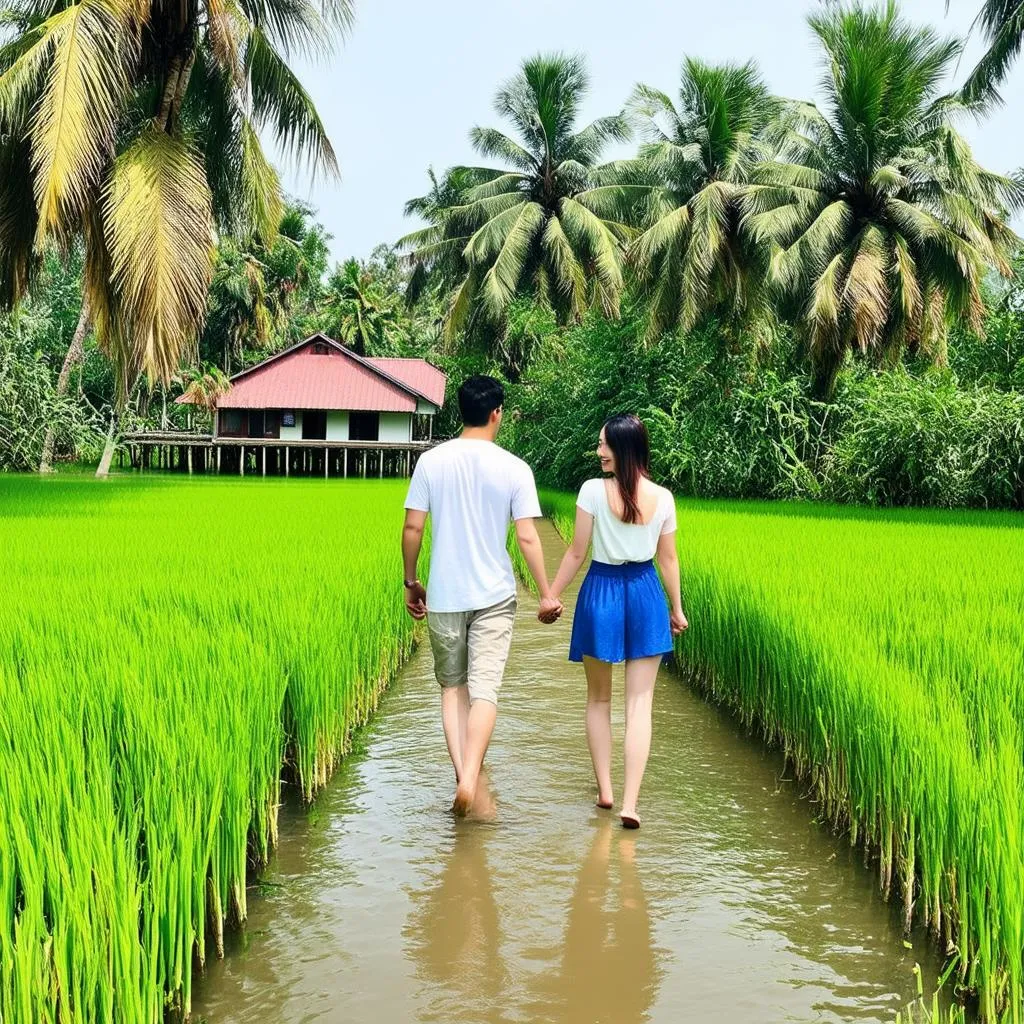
(472, 489)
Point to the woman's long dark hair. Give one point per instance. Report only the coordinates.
(627, 437)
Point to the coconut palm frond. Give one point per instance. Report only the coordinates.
(158, 228)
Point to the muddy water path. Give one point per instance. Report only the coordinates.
(730, 904)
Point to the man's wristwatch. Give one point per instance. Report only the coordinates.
(410, 583)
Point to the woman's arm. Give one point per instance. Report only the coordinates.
(668, 564)
(577, 553)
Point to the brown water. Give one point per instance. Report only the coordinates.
(729, 905)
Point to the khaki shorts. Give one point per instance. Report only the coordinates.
(471, 648)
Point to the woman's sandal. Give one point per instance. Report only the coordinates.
(630, 820)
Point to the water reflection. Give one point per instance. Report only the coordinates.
(454, 933)
(608, 972)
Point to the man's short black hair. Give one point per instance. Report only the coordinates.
(479, 396)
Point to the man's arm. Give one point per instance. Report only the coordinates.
(412, 542)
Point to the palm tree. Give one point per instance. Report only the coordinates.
(1002, 22)
(357, 313)
(684, 190)
(135, 124)
(879, 222)
(436, 260)
(203, 388)
(526, 228)
(240, 314)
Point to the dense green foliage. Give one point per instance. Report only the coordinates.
(883, 651)
(33, 342)
(738, 424)
(29, 402)
(147, 714)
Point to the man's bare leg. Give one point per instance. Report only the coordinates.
(454, 716)
(482, 716)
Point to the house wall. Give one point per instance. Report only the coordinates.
(293, 433)
(337, 426)
(423, 407)
(395, 426)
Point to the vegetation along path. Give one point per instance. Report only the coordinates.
(729, 905)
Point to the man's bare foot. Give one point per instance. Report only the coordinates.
(463, 802)
(485, 808)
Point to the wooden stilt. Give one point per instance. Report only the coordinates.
(287, 459)
(345, 472)
(218, 460)
(190, 460)
(241, 461)
(327, 462)
(264, 454)
(365, 458)
(380, 468)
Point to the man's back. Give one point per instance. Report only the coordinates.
(472, 490)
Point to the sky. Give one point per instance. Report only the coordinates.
(402, 92)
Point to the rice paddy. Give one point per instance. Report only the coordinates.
(168, 654)
(172, 655)
(884, 650)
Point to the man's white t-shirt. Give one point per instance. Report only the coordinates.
(472, 489)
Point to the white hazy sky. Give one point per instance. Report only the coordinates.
(404, 89)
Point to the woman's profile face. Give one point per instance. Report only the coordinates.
(604, 453)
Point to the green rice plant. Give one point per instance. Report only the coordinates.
(884, 651)
(171, 654)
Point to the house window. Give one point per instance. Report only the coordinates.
(363, 426)
(233, 422)
(287, 419)
(314, 425)
(321, 348)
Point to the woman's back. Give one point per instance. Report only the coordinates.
(614, 541)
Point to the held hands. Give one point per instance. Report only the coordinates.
(678, 622)
(416, 600)
(550, 610)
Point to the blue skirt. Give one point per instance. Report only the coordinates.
(621, 614)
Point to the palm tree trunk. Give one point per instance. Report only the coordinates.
(75, 353)
(170, 90)
(103, 469)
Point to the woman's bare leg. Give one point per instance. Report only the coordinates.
(640, 676)
(599, 724)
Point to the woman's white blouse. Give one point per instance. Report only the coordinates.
(616, 542)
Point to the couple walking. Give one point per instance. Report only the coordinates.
(472, 490)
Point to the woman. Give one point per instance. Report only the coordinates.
(621, 612)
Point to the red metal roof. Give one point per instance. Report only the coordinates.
(417, 374)
(297, 378)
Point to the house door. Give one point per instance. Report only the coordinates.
(363, 426)
(314, 425)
